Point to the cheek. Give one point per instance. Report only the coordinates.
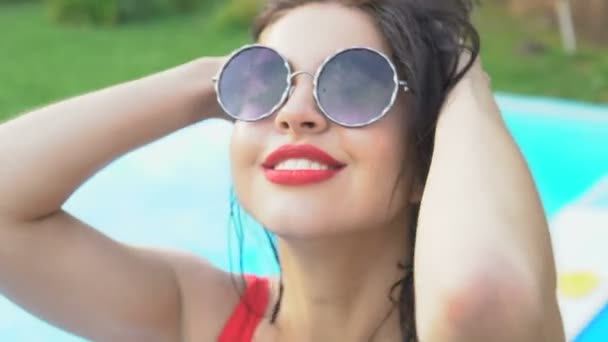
(246, 147)
(378, 156)
(389, 161)
(380, 149)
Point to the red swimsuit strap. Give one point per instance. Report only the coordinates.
(248, 313)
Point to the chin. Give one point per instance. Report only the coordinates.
(288, 224)
(303, 231)
(296, 225)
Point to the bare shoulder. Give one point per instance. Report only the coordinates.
(209, 294)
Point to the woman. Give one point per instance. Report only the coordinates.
(344, 179)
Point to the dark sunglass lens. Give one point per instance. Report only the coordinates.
(356, 86)
(252, 83)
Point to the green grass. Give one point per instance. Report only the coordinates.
(583, 76)
(41, 62)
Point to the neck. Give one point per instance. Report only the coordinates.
(337, 289)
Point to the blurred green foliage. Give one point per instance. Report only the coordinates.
(84, 11)
(237, 14)
(112, 12)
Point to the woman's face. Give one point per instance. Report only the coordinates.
(359, 195)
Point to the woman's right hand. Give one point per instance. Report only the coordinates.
(201, 73)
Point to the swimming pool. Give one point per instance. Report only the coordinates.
(175, 192)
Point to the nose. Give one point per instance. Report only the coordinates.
(300, 114)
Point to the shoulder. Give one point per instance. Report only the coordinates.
(208, 294)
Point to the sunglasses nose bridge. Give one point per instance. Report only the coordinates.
(292, 86)
(298, 73)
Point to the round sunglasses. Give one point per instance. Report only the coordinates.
(354, 87)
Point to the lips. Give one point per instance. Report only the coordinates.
(300, 165)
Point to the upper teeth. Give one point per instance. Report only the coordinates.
(300, 164)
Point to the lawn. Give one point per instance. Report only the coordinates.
(41, 62)
(551, 72)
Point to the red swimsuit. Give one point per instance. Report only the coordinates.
(242, 323)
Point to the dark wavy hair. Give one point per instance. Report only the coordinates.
(427, 38)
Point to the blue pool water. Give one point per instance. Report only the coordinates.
(175, 192)
(564, 142)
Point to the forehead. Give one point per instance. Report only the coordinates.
(308, 34)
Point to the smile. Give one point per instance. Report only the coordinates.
(300, 165)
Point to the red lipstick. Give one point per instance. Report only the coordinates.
(300, 176)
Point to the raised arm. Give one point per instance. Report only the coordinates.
(484, 263)
(57, 267)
